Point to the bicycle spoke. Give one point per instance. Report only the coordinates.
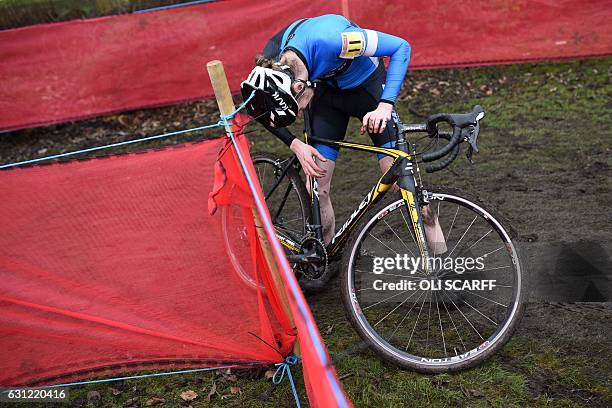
(405, 316)
(440, 320)
(463, 235)
(478, 311)
(428, 320)
(383, 244)
(468, 320)
(400, 240)
(452, 223)
(394, 309)
(384, 300)
(485, 298)
(294, 219)
(492, 252)
(415, 324)
(455, 326)
(479, 239)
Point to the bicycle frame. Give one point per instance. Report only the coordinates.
(401, 171)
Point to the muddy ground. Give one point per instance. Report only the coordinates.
(544, 163)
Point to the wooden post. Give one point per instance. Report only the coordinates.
(226, 107)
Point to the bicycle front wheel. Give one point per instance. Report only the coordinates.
(449, 316)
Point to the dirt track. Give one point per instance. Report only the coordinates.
(544, 162)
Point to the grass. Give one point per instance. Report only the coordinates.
(545, 162)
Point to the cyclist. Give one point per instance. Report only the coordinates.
(350, 78)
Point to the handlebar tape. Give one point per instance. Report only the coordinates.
(454, 140)
(444, 163)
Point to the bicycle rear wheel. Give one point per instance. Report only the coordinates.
(447, 319)
(288, 206)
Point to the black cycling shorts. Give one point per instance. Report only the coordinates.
(331, 109)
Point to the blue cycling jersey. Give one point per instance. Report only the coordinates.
(334, 48)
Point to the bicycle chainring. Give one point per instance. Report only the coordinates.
(314, 270)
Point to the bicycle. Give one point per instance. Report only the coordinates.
(387, 301)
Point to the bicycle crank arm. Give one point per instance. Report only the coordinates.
(303, 258)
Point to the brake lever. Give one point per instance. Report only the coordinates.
(470, 135)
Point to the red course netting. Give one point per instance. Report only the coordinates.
(57, 72)
(322, 385)
(116, 261)
(150, 260)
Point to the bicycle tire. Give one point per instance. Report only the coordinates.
(427, 364)
(298, 187)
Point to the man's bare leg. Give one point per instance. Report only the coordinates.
(433, 231)
(328, 219)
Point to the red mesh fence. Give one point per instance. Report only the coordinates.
(150, 260)
(114, 264)
(322, 385)
(57, 72)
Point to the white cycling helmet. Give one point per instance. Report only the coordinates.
(273, 103)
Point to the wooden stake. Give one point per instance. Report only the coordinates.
(226, 107)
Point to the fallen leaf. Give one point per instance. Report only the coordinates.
(329, 329)
(475, 393)
(269, 374)
(229, 377)
(154, 401)
(189, 395)
(114, 391)
(93, 396)
(130, 402)
(235, 390)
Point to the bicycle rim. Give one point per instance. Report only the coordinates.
(446, 319)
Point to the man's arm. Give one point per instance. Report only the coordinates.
(385, 45)
(283, 134)
(369, 43)
(303, 151)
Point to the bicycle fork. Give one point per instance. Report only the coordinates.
(408, 189)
